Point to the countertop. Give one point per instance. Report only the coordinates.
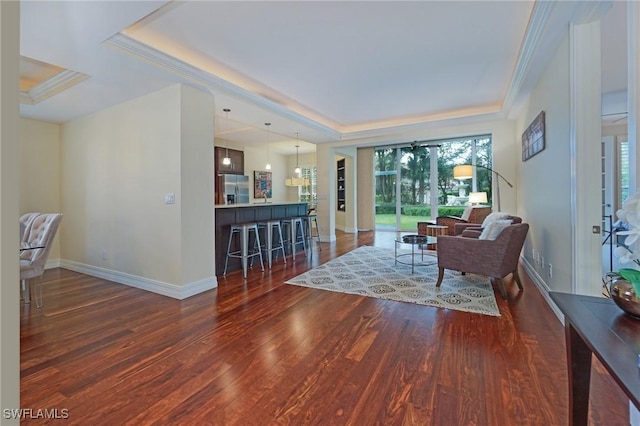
(257, 204)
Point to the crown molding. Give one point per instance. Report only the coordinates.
(537, 24)
(209, 81)
(398, 133)
(52, 86)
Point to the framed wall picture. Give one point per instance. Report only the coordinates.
(261, 184)
(533, 138)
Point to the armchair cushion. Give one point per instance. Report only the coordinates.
(494, 229)
(459, 228)
(471, 233)
(495, 216)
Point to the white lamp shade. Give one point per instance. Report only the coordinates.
(297, 181)
(463, 172)
(477, 197)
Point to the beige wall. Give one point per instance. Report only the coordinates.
(196, 185)
(9, 203)
(544, 189)
(40, 173)
(117, 165)
(366, 189)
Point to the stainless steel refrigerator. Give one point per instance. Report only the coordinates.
(235, 187)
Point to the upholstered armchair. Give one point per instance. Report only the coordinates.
(32, 262)
(471, 215)
(474, 230)
(492, 258)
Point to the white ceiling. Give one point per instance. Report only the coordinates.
(328, 70)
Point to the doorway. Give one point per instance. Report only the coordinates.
(615, 189)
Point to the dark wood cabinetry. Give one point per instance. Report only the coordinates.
(341, 185)
(237, 161)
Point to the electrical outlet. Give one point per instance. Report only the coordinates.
(550, 271)
(533, 253)
(541, 262)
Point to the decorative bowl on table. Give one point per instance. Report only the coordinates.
(624, 295)
(414, 239)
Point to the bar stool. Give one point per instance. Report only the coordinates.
(243, 230)
(291, 227)
(312, 219)
(269, 247)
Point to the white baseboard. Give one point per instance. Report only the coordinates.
(348, 230)
(543, 287)
(327, 238)
(52, 263)
(159, 287)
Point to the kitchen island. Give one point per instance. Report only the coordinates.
(229, 214)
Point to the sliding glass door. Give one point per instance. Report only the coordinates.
(386, 178)
(414, 183)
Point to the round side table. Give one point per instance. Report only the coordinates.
(436, 231)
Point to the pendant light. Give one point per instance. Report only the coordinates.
(298, 170)
(268, 165)
(297, 179)
(226, 160)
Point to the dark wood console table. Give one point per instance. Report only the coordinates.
(595, 325)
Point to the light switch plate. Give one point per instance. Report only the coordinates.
(170, 198)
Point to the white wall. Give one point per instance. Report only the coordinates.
(117, 166)
(40, 173)
(544, 190)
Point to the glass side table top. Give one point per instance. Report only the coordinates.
(415, 257)
(416, 239)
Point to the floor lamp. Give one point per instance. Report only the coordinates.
(465, 171)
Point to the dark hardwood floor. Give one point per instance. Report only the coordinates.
(260, 352)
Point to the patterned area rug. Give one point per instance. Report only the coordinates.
(371, 271)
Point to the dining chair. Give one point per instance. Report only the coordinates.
(26, 220)
(32, 262)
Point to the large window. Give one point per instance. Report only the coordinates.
(308, 193)
(623, 170)
(415, 183)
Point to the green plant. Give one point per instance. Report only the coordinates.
(416, 211)
(450, 210)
